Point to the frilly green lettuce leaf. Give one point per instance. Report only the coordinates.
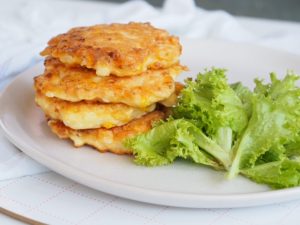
(275, 153)
(228, 127)
(173, 139)
(292, 150)
(277, 174)
(274, 121)
(214, 107)
(245, 96)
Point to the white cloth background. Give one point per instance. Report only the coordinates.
(26, 26)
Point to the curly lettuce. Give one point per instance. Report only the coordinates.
(275, 121)
(213, 105)
(229, 127)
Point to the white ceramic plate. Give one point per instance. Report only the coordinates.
(182, 184)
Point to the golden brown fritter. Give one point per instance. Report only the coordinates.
(172, 99)
(75, 84)
(88, 115)
(107, 139)
(119, 49)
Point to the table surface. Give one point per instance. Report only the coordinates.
(58, 200)
(261, 27)
(4, 219)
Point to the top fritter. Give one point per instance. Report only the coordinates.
(118, 49)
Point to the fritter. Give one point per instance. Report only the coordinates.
(172, 99)
(107, 139)
(119, 49)
(88, 115)
(76, 84)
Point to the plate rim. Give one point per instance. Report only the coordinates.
(169, 198)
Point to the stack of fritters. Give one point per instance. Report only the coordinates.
(102, 83)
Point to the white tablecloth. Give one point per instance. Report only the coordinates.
(25, 27)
